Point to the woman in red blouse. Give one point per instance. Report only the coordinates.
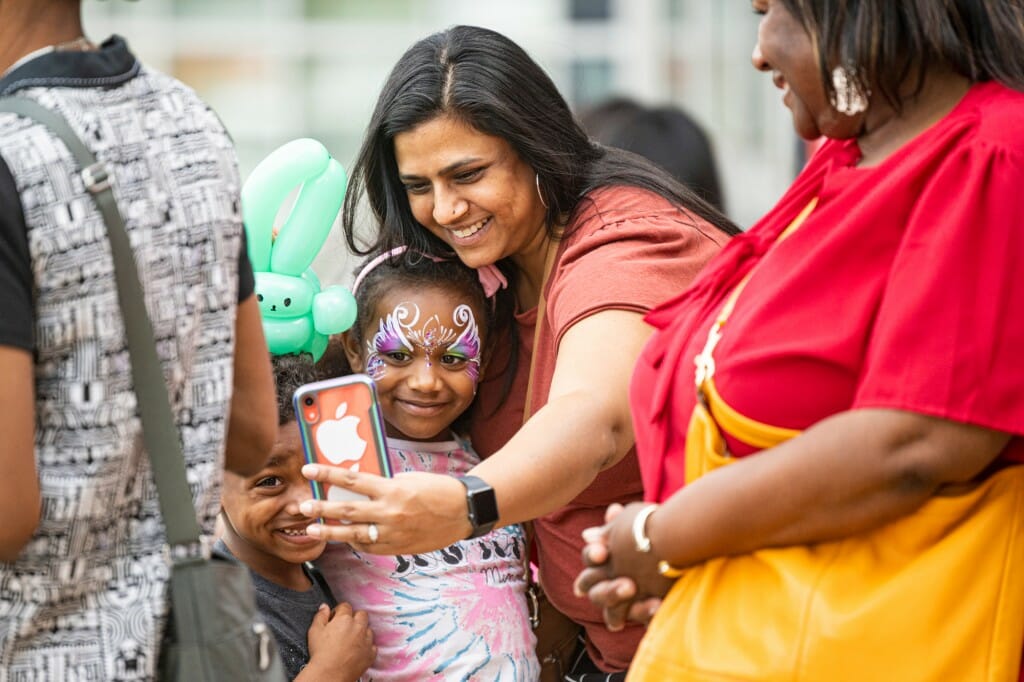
(879, 319)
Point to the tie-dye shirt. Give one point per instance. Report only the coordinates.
(458, 613)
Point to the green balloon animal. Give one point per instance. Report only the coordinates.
(298, 317)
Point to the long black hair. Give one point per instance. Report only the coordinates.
(486, 80)
(890, 43)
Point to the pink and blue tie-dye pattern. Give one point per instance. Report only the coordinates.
(455, 614)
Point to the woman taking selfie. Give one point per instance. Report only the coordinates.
(472, 153)
(858, 414)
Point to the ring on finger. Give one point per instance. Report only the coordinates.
(374, 534)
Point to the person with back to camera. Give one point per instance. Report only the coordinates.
(471, 150)
(319, 638)
(83, 586)
(858, 354)
(666, 135)
(424, 332)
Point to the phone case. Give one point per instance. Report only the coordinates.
(341, 425)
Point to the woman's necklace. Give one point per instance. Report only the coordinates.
(81, 43)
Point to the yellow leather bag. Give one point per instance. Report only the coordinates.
(937, 596)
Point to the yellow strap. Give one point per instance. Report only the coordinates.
(753, 433)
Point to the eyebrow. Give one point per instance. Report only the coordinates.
(447, 169)
(273, 461)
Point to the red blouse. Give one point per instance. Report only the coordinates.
(897, 292)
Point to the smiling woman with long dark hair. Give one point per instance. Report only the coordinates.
(472, 151)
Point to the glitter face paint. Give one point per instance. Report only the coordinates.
(397, 333)
(467, 345)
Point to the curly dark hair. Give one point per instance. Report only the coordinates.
(291, 372)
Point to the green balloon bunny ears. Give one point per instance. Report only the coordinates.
(297, 316)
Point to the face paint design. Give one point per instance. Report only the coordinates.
(432, 337)
(467, 346)
(396, 334)
(390, 338)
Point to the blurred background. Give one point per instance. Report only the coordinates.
(276, 70)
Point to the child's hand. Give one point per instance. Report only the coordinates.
(340, 645)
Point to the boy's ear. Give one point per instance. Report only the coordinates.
(353, 351)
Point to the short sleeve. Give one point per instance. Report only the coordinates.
(17, 321)
(949, 332)
(246, 278)
(631, 251)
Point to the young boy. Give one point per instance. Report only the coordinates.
(263, 528)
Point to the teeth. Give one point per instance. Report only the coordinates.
(293, 533)
(471, 230)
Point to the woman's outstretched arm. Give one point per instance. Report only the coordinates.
(584, 427)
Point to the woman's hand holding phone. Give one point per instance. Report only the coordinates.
(414, 512)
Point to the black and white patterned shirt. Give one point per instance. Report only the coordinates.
(86, 599)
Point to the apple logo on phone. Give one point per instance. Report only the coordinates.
(338, 440)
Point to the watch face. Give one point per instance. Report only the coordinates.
(484, 506)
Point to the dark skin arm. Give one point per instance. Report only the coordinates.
(849, 473)
(252, 426)
(19, 490)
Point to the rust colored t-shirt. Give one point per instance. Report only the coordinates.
(626, 249)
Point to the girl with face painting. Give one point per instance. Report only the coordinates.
(866, 329)
(472, 153)
(423, 333)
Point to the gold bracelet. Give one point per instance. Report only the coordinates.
(668, 570)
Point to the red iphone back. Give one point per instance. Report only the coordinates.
(341, 425)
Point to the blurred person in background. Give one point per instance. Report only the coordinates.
(83, 591)
(666, 135)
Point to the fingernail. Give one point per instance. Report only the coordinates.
(313, 531)
(306, 507)
(310, 470)
(592, 534)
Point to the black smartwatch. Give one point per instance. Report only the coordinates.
(482, 504)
